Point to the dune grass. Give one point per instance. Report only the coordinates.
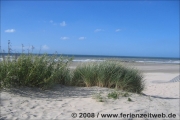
(108, 74)
(44, 71)
(34, 71)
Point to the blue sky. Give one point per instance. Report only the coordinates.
(120, 28)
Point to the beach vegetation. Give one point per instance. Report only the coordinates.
(98, 97)
(44, 71)
(32, 70)
(85, 75)
(113, 95)
(129, 99)
(126, 94)
(108, 74)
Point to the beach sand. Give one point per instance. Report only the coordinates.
(160, 96)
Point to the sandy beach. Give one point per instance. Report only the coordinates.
(161, 96)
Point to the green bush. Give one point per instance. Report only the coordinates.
(34, 71)
(108, 74)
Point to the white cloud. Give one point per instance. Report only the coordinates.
(117, 30)
(63, 23)
(82, 38)
(64, 38)
(51, 21)
(98, 30)
(10, 30)
(45, 47)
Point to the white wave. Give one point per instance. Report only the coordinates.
(87, 60)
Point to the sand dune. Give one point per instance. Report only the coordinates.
(61, 101)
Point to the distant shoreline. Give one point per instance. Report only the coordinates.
(94, 58)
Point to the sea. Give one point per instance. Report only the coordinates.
(94, 58)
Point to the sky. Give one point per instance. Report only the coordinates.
(113, 28)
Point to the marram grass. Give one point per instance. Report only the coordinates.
(33, 71)
(44, 72)
(108, 74)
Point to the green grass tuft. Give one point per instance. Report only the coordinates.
(108, 74)
(34, 71)
(113, 95)
(98, 97)
(125, 94)
(129, 99)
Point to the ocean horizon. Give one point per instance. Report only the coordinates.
(91, 58)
